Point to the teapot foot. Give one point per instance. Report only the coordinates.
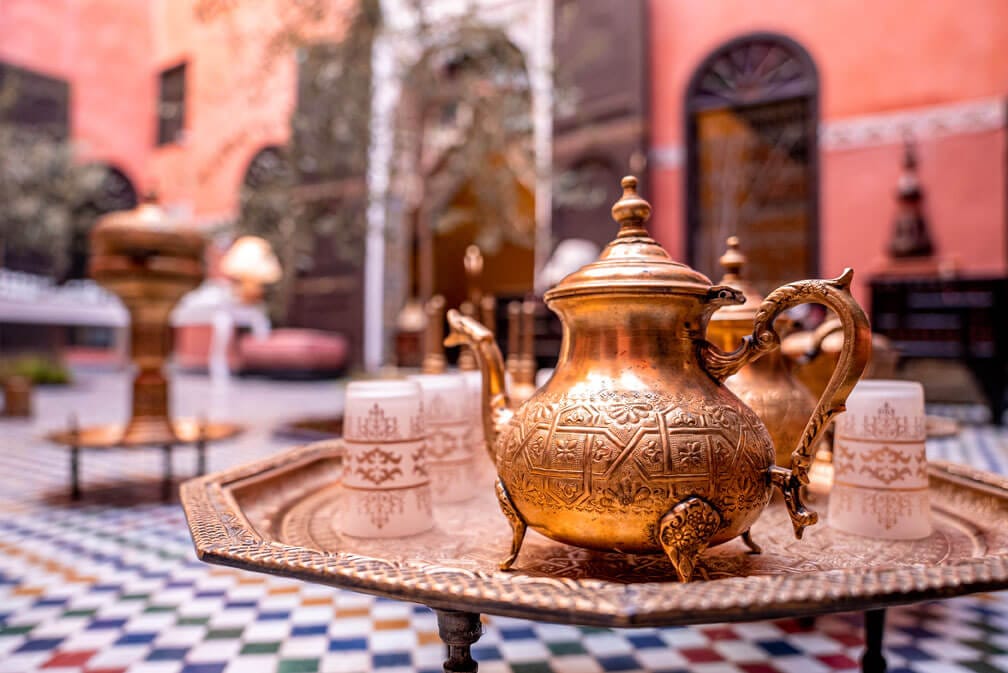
(518, 525)
(749, 542)
(685, 531)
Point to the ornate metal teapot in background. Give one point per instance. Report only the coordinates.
(814, 354)
(635, 444)
(766, 385)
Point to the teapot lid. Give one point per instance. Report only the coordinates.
(732, 262)
(633, 262)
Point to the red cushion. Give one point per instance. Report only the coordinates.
(295, 349)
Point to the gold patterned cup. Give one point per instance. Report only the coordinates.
(880, 484)
(448, 408)
(386, 484)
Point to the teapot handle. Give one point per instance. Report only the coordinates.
(856, 350)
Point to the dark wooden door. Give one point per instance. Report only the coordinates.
(752, 158)
(600, 121)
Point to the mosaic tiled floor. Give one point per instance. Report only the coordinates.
(111, 584)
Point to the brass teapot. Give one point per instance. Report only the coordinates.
(766, 385)
(815, 352)
(635, 444)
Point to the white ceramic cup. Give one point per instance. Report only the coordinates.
(383, 410)
(449, 409)
(474, 389)
(444, 397)
(880, 482)
(386, 480)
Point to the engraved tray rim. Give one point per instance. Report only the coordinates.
(222, 535)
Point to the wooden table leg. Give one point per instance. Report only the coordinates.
(75, 492)
(166, 477)
(873, 661)
(459, 630)
(201, 457)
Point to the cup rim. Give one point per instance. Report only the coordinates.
(387, 387)
(449, 379)
(888, 385)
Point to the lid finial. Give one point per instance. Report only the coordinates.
(733, 260)
(473, 264)
(631, 211)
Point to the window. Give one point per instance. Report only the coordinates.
(171, 105)
(31, 100)
(752, 117)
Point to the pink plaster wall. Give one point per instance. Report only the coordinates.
(238, 98)
(872, 58)
(964, 181)
(112, 95)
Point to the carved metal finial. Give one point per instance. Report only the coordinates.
(473, 263)
(631, 211)
(527, 370)
(909, 152)
(732, 260)
(434, 358)
(467, 359)
(514, 338)
(488, 312)
(910, 235)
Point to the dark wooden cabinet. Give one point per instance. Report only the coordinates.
(963, 319)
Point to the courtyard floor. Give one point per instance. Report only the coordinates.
(111, 584)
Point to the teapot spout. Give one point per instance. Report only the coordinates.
(495, 403)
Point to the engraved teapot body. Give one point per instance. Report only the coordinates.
(635, 444)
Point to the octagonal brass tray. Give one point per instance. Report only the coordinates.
(281, 515)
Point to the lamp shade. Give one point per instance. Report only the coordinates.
(251, 258)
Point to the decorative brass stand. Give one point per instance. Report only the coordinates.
(434, 358)
(521, 362)
(150, 262)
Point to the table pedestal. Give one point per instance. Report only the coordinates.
(873, 660)
(460, 630)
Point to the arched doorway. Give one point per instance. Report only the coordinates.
(752, 158)
(115, 192)
(266, 168)
(464, 168)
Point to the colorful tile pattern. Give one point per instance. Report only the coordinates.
(111, 584)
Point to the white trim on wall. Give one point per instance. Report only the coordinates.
(975, 116)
